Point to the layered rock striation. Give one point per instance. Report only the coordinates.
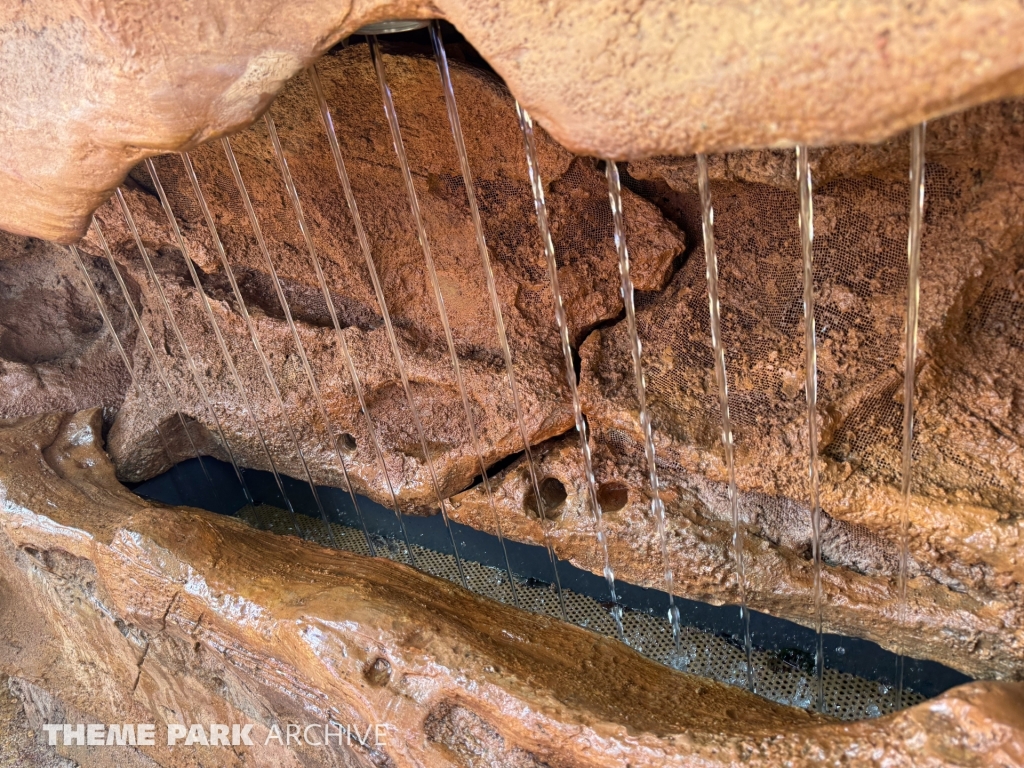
(117, 610)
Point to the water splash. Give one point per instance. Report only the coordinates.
(139, 391)
(715, 310)
(917, 134)
(289, 183)
(190, 171)
(562, 322)
(803, 176)
(157, 365)
(492, 292)
(657, 505)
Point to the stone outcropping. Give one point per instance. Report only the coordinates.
(116, 610)
(606, 78)
(966, 512)
(521, 279)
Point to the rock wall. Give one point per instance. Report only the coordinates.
(115, 610)
(606, 78)
(965, 595)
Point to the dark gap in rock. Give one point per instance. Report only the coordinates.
(494, 470)
(553, 495)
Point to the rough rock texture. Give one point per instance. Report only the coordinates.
(55, 353)
(606, 78)
(117, 610)
(583, 232)
(966, 604)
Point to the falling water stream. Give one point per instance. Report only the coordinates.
(421, 232)
(293, 194)
(389, 328)
(715, 311)
(219, 247)
(332, 138)
(803, 176)
(187, 353)
(657, 505)
(913, 305)
(254, 222)
(562, 322)
(157, 365)
(492, 292)
(139, 391)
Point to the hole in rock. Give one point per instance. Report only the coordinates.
(612, 496)
(553, 496)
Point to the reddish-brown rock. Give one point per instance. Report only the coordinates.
(583, 232)
(966, 604)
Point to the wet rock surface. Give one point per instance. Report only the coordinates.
(965, 601)
(180, 616)
(583, 230)
(965, 524)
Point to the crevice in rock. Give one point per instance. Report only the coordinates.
(306, 303)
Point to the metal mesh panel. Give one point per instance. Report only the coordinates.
(779, 678)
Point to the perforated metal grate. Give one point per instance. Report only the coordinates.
(779, 677)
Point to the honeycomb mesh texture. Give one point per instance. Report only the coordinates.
(847, 697)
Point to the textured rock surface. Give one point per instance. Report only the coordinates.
(55, 353)
(581, 215)
(146, 613)
(967, 608)
(605, 78)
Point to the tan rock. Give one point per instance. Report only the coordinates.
(147, 613)
(605, 79)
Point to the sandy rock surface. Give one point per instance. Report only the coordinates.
(966, 510)
(605, 78)
(147, 613)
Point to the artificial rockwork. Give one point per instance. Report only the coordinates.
(965, 605)
(117, 610)
(90, 90)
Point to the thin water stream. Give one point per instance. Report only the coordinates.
(421, 233)
(193, 368)
(562, 323)
(157, 365)
(803, 176)
(657, 505)
(293, 194)
(204, 299)
(139, 391)
(718, 346)
(257, 346)
(332, 138)
(254, 222)
(917, 134)
(389, 328)
(492, 292)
